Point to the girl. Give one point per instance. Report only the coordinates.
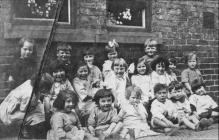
(112, 54)
(117, 80)
(133, 114)
(103, 117)
(64, 122)
(83, 88)
(25, 65)
(61, 82)
(183, 108)
(172, 68)
(142, 79)
(95, 73)
(192, 73)
(159, 75)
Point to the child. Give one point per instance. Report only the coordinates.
(95, 73)
(65, 123)
(25, 64)
(61, 82)
(103, 117)
(133, 114)
(172, 68)
(112, 54)
(85, 91)
(63, 55)
(205, 106)
(164, 117)
(142, 79)
(160, 65)
(192, 72)
(151, 46)
(185, 114)
(118, 80)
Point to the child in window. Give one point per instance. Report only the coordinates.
(112, 54)
(65, 123)
(25, 64)
(160, 65)
(118, 80)
(172, 68)
(133, 115)
(142, 79)
(95, 73)
(164, 116)
(103, 117)
(61, 82)
(205, 106)
(192, 72)
(63, 58)
(184, 113)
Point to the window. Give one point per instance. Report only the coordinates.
(127, 13)
(41, 10)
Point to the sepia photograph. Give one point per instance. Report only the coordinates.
(109, 69)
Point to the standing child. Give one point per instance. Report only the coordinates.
(103, 117)
(118, 80)
(205, 106)
(142, 79)
(65, 123)
(133, 115)
(112, 54)
(164, 117)
(192, 72)
(25, 64)
(184, 113)
(95, 73)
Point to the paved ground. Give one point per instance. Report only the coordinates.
(184, 134)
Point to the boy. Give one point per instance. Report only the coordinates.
(163, 111)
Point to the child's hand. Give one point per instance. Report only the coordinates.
(107, 133)
(68, 127)
(169, 123)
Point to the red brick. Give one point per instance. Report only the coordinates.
(207, 77)
(214, 88)
(203, 42)
(214, 77)
(191, 42)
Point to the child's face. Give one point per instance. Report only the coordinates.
(151, 49)
(160, 68)
(26, 50)
(134, 99)
(141, 68)
(82, 72)
(112, 55)
(172, 66)
(105, 103)
(68, 105)
(161, 95)
(200, 91)
(192, 62)
(89, 59)
(119, 70)
(63, 55)
(59, 75)
(177, 94)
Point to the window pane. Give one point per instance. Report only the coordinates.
(40, 9)
(125, 12)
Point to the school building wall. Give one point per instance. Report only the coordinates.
(179, 25)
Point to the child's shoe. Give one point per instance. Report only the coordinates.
(205, 123)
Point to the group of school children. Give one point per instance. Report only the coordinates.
(120, 101)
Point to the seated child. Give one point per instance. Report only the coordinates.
(184, 113)
(133, 115)
(112, 54)
(205, 106)
(172, 68)
(103, 117)
(164, 117)
(65, 123)
(118, 80)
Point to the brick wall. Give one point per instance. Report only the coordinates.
(180, 24)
